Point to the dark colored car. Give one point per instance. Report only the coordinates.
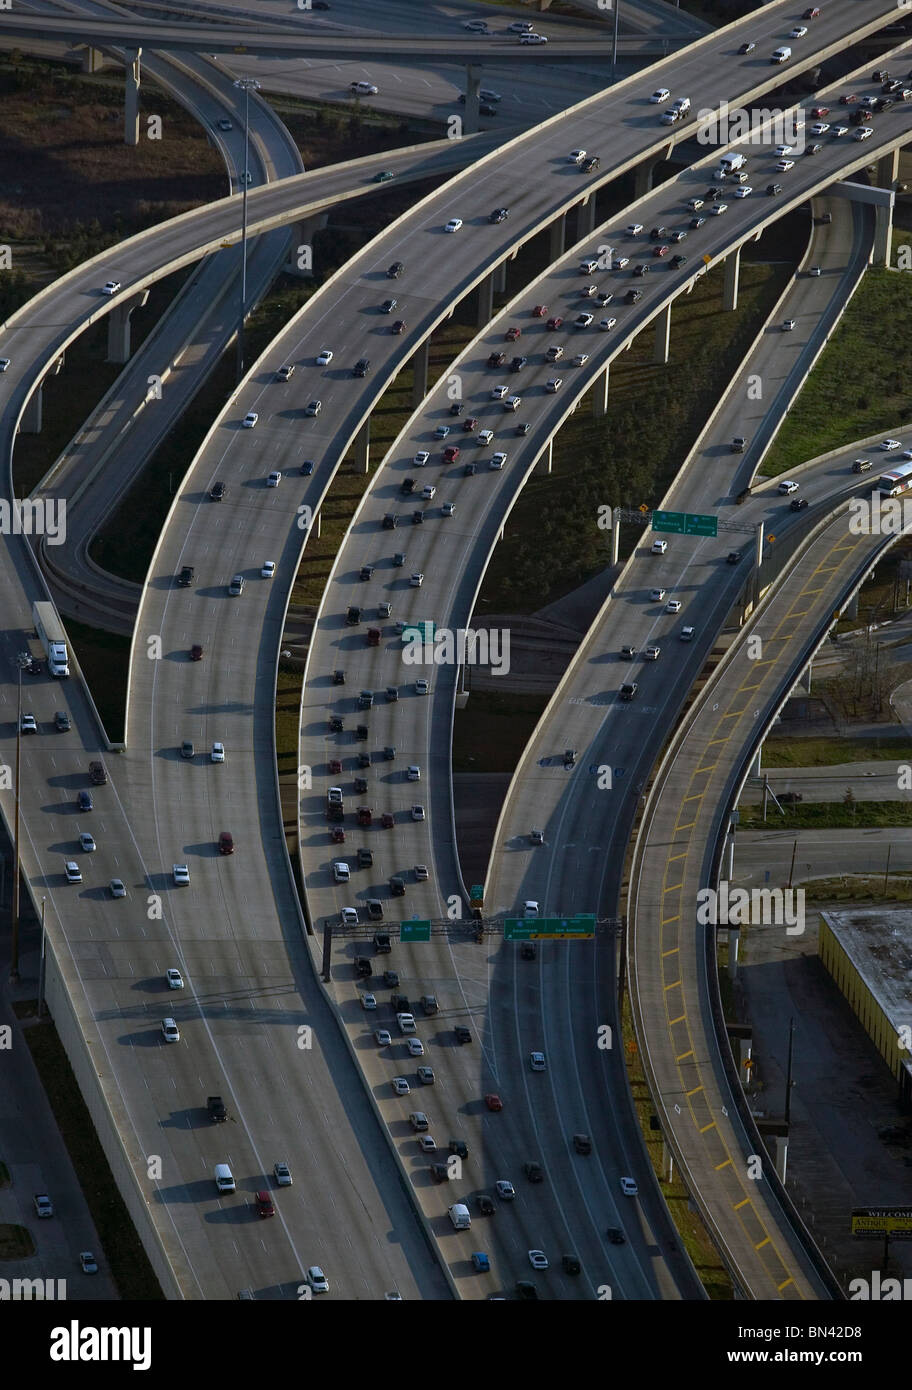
(360, 785)
(397, 889)
(391, 521)
(307, 467)
(388, 306)
(185, 578)
(364, 760)
(353, 615)
(590, 164)
(361, 367)
(398, 326)
(528, 951)
(462, 1033)
(365, 858)
(226, 842)
(458, 1147)
(84, 801)
(570, 1264)
(733, 557)
(468, 469)
(518, 363)
(499, 214)
(523, 427)
(525, 1289)
(582, 1143)
(196, 652)
(395, 270)
(391, 979)
(798, 504)
(217, 491)
(615, 1235)
(456, 408)
(570, 758)
(773, 189)
(365, 572)
(485, 1204)
(417, 518)
(632, 296)
(374, 905)
(62, 722)
(407, 486)
(336, 724)
(497, 359)
(363, 968)
(440, 1172)
(678, 261)
(641, 270)
(264, 1204)
(534, 1172)
(338, 677)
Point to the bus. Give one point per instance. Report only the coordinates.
(896, 482)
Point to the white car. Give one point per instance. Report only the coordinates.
(282, 1174)
(421, 458)
(660, 95)
(620, 262)
(349, 916)
(580, 359)
(687, 634)
(170, 1030)
(537, 1061)
(815, 272)
(657, 595)
(368, 1001)
(175, 979)
(401, 1086)
(576, 156)
(782, 150)
(798, 32)
(744, 191)
(659, 547)
(218, 753)
(554, 383)
(530, 908)
(839, 130)
(607, 324)
(520, 26)
(421, 873)
(325, 357)
(532, 38)
(889, 445)
(422, 687)
(181, 875)
(448, 509)
(110, 287)
(633, 228)
(28, 724)
(864, 132)
(429, 492)
(674, 605)
(416, 580)
(820, 127)
(364, 89)
(417, 813)
(72, 871)
(87, 841)
(268, 569)
(788, 325)
(341, 871)
(505, 1190)
(315, 1276)
(383, 1038)
(413, 773)
(498, 460)
(485, 437)
(88, 1262)
(426, 1142)
(249, 420)
(273, 479)
(453, 225)
(651, 653)
(717, 209)
(415, 1047)
(787, 486)
(498, 393)
(695, 204)
(4, 363)
(783, 165)
(629, 1187)
(538, 1259)
(313, 408)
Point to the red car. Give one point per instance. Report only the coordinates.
(335, 764)
(264, 1204)
(660, 250)
(386, 820)
(848, 99)
(451, 453)
(226, 843)
(470, 423)
(555, 322)
(539, 311)
(820, 111)
(337, 835)
(513, 334)
(494, 1102)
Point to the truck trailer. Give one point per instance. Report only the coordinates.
(52, 638)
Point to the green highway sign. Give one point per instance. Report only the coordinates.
(414, 931)
(419, 632)
(579, 928)
(685, 523)
(476, 892)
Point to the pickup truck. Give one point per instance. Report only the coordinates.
(216, 1108)
(43, 1204)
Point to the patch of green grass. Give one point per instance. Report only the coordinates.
(825, 815)
(15, 1243)
(860, 385)
(129, 1265)
(858, 888)
(489, 735)
(288, 703)
(796, 751)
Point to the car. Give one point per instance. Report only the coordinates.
(493, 1102)
(787, 486)
(87, 842)
(838, 131)
(422, 687)
(812, 13)
(863, 132)
(603, 297)
(72, 871)
(554, 384)
(864, 465)
(629, 1187)
(249, 420)
(744, 191)
(696, 222)
(174, 978)
(788, 325)
(170, 1030)
(117, 888)
(606, 325)
(282, 1174)
(415, 1047)
(317, 1279)
(349, 917)
(620, 262)
(576, 156)
(505, 1190)
(426, 1076)
(717, 209)
(746, 48)
(773, 189)
(485, 436)
(588, 291)
(651, 653)
(273, 479)
(539, 311)
(400, 1086)
(499, 215)
(798, 32)
(848, 99)
(532, 38)
(453, 225)
(498, 460)
(783, 165)
(313, 408)
(641, 270)
(583, 320)
(798, 504)
(28, 724)
(820, 128)
(657, 595)
(226, 842)
(813, 149)
(678, 261)
(110, 287)
(421, 873)
(633, 228)
(428, 492)
(538, 1259)
(537, 1061)
(307, 467)
(368, 1001)
(534, 1172)
(181, 875)
(590, 164)
(196, 652)
(674, 605)
(815, 272)
(383, 1038)
(889, 445)
(660, 95)
(462, 1033)
(363, 89)
(451, 453)
(518, 363)
(499, 393)
(418, 813)
(497, 359)
(658, 547)
(416, 580)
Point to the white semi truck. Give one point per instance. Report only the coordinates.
(52, 638)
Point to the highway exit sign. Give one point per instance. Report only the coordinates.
(419, 632)
(476, 893)
(686, 523)
(579, 928)
(415, 931)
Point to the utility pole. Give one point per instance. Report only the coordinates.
(788, 1075)
(614, 47)
(246, 85)
(14, 935)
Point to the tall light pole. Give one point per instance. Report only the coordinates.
(246, 85)
(614, 49)
(41, 962)
(14, 914)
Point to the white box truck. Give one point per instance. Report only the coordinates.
(52, 638)
(731, 162)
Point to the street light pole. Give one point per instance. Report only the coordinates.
(41, 962)
(614, 47)
(246, 85)
(14, 934)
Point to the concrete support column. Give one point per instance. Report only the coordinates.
(757, 768)
(887, 170)
(32, 415)
(758, 557)
(662, 337)
(734, 937)
(851, 608)
(615, 537)
(806, 676)
(558, 237)
(472, 101)
(301, 259)
(500, 278)
(585, 217)
(486, 300)
(420, 378)
(543, 462)
(600, 395)
(362, 447)
(132, 57)
(883, 235)
(642, 180)
(732, 277)
(780, 1147)
(91, 60)
(119, 327)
